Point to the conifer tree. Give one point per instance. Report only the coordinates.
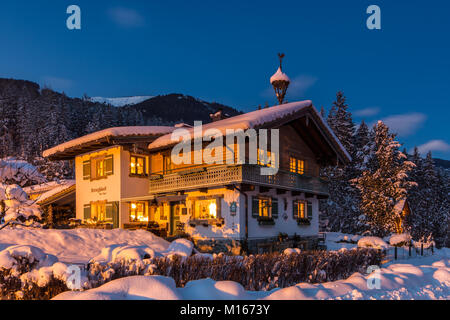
(340, 120)
(384, 182)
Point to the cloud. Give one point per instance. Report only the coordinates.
(126, 17)
(367, 112)
(55, 83)
(297, 88)
(433, 145)
(405, 124)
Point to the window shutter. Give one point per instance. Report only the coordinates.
(87, 212)
(255, 207)
(115, 214)
(86, 170)
(295, 210)
(109, 211)
(109, 165)
(309, 210)
(274, 208)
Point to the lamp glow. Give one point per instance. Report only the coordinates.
(213, 209)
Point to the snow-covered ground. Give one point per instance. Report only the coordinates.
(421, 278)
(79, 245)
(416, 278)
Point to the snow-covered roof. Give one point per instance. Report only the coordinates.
(279, 76)
(109, 133)
(61, 188)
(398, 208)
(253, 120)
(43, 187)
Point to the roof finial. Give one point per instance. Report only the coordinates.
(281, 56)
(280, 81)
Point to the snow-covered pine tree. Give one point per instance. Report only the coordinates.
(340, 120)
(428, 200)
(341, 210)
(322, 112)
(384, 182)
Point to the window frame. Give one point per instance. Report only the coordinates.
(144, 166)
(297, 215)
(94, 167)
(96, 205)
(145, 212)
(270, 157)
(195, 220)
(294, 165)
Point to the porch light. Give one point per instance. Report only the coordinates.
(213, 209)
(133, 206)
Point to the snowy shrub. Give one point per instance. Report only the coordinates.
(254, 272)
(16, 204)
(399, 240)
(26, 272)
(372, 242)
(13, 171)
(291, 251)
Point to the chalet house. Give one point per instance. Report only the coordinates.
(126, 177)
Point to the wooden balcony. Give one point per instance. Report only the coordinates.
(221, 175)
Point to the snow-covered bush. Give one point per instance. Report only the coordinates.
(26, 272)
(14, 202)
(13, 171)
(372, 242)
(291, 251)
(399, 240)
(254, 272)
(16, 205)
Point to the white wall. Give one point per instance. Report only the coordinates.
(97, 190)
(130, 187)
(289, 226)
(235, 225)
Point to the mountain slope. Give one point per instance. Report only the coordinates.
(33, 119)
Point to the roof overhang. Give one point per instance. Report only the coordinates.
(99, 144)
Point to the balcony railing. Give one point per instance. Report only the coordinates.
(221, 175)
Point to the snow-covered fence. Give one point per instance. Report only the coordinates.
(409, 251)
(28, 273)
(254, 272)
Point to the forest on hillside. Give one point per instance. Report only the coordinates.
(33, 119)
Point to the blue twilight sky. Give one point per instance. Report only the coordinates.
(225, 51)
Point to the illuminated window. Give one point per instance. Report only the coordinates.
(269, 160)
(100, 168)
(206, 209)
(98, 212)
(299, 210)
(167, 164)
(137, 165)
(265, 207)
(138, 212)
(296, 165)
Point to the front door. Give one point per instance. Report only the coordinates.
(175, 213)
